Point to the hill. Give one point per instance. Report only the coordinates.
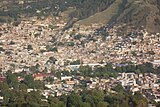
(86, 12)
(132, 12)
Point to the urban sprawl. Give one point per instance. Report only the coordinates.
(35, 44)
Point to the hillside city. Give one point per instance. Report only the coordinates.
(79, 53)
(39, 48)
(35, 42)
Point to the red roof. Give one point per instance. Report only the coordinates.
(2, 79)
(41, 75)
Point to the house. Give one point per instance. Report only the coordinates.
(70, 82)
(66, 77)
(40, 76)
(2, 79)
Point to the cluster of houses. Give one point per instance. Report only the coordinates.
(148, 84)
(25, 45)
(33, 42)
(37, 43)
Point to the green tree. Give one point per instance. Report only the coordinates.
(74, 100)
(146, 67)
(139, 100)
(118, 88)
(52, 60)
(85, 104)
(58, 74)
(109, 67)
(29, 47)
(93, 97)
(29, 81)
(34, 69)
(33, 99)
(38, 84)
(4, 87)
(102, 104)
(12, 80)
(88, 98)
(50, 79)
(17, 99)
(54, 102)
(77, 62)
(85, 70)
(63, 98)
(23, 87)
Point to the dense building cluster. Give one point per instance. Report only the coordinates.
(41, 50)
(33, 42)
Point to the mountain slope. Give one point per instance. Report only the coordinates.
(86, 12)
(142, 13)
(102, 17)
(132, 12)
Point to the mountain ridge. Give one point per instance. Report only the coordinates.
(136, 13)
(86, 12)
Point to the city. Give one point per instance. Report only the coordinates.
(45, 63)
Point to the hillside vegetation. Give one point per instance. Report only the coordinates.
(86, 12)
(132, 12)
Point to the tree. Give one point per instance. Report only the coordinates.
(109, 67)
(38, 84)
(85, 70)
(1, 49)
(146, 67)
(29, 47)
(130, 68)
(34, 69)
(77, 37)
(88, 98)
(33, 99)
(29, 81)
(118, 88)
(85, 104)
(77, 62)
(63, 98)
(118, 69)
(12, 80)
(17, 99)
(74, 100)
(52, 60)
(23, 87)
(103, 104)
(70, 43)
(50, 79)
(93, 97)
(139, 100)
(4, 87)
(54, 102)
(58, 74)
